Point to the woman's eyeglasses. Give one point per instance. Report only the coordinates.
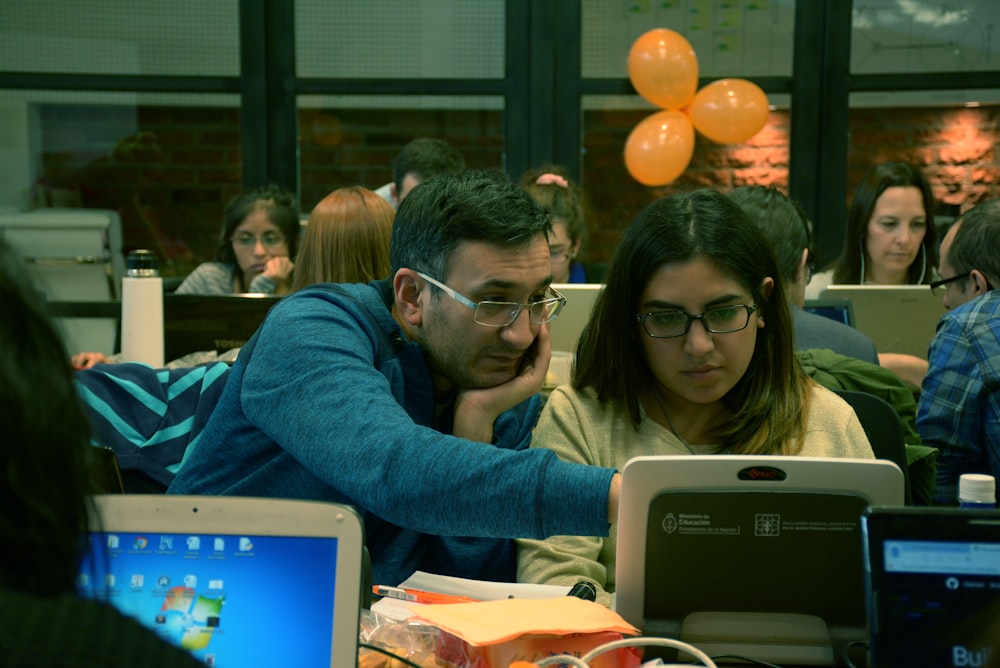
(268, 239)
(717, 320)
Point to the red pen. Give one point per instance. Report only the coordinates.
(418, 596)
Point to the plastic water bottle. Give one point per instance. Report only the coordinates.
(142, 310)
(977, 491)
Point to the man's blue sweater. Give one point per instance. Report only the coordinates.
(329, 401)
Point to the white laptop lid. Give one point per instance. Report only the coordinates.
(898, 318)
(236, 581)
(566, 328)
(752, 555)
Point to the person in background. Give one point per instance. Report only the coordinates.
(788, 231)
(688, 351)
(260, 233)
(346, 240)
(49, 471)
(555, 191)
(419, 160)
(413, 398)
(890, 240)
(959, 408)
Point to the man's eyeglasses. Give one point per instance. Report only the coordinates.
(717, 320)
(937, 285)
(501, 314)
(269, 239)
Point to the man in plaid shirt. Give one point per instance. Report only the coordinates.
(959, 411)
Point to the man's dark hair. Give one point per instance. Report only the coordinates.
(977, 242)
(425, 158)
(471, 205)
(782, 221)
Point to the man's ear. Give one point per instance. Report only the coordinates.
(800, 273)
(407, 288)
(766, 286)
(393, 194)
(979, 283)
(574, 249)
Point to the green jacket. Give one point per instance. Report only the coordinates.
(840, 372)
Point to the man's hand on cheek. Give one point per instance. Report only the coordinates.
(477, 409)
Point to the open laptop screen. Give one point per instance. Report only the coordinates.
(233, 596)
(933, 578)
(839, 310)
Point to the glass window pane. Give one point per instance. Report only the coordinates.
(352, 140)
(391, 39)
(730, 39)
(178, 37)
(889, 36)
(166, 163)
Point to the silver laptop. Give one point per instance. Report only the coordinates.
(758, 556)
(235, 581)
(898, 318)
(566, 329)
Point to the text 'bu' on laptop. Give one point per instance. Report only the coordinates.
(933, 586)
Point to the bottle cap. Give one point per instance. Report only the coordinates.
(142, 263)
(977, 487)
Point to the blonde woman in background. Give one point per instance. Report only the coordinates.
(347, 239)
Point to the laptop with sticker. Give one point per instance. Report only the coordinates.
(236, 581)
(933, 583)
(756, 556)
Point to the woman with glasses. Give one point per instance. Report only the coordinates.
(260, 231)
(567, 203)
(688, 351)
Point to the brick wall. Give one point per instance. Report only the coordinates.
(169, 171)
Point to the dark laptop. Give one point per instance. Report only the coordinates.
(191, 323)
(933, 586)
(198, 323)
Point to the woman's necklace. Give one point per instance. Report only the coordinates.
(670, 423)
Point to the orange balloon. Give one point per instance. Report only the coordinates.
(729, 111)
(663, 68)
(659, 148)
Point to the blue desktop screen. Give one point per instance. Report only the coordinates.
(232, 601)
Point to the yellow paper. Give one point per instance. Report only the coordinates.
(491, 622)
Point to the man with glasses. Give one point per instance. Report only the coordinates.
(959, 411)
(414, 398)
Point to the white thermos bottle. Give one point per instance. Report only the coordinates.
(142, 310)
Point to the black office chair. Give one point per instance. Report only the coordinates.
(884, 430)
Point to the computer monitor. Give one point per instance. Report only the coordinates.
(758, 556)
